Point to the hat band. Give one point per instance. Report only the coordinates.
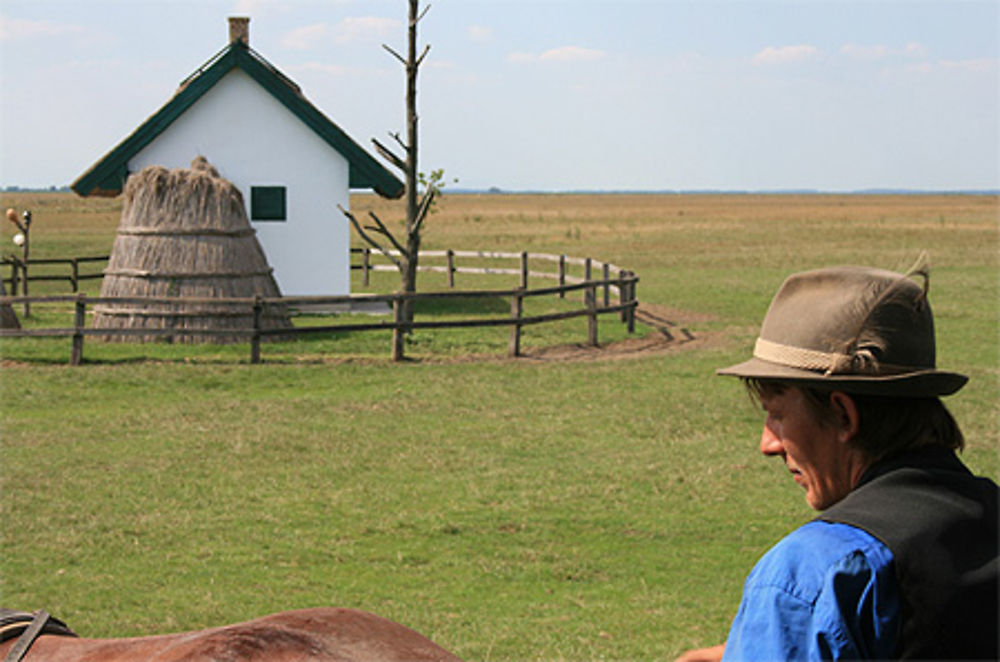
(796, 357)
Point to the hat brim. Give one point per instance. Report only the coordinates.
(916, 384)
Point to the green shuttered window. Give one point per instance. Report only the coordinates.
(267, 203)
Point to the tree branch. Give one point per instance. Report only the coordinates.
(394, 54)
(399, 141)
(418, 18)
(389, 156)
(425, 207)
(422, 56)
(374, 244)
(381, 229)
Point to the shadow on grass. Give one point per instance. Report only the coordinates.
(471, 305)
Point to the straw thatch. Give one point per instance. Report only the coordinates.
(8, 318)
(185, 233)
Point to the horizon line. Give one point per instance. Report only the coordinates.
(496, 190)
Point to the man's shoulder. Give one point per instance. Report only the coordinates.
(823, 542)
(806, 595)
(803, 561)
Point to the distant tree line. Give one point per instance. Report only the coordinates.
(28, 189)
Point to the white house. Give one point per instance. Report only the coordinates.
(292, 164)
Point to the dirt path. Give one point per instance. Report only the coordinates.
(669, 336)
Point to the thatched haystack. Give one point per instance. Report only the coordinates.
(8, 318)
(185, 233)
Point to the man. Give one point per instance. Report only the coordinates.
(902, 561)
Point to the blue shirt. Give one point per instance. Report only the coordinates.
(826, 591)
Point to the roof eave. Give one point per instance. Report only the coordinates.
(365, 171)
(107, 176)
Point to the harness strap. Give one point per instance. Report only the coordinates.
(23, 643)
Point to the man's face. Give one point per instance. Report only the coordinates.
(814, 451)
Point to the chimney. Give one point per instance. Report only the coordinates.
(239, 29)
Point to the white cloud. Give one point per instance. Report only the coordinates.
(978, 65)
(353, 29)
(785, 54)
(879, 52)
(571, 54)
(860, 52)
(479, 33)
(563, 54)
(520, 57)
(254, 8)
(258, 8)
(366, 28)
(306, 37)
(322, 68)
(16, 28)
(441, 65)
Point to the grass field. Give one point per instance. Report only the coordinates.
(509, 509)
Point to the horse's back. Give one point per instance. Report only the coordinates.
(325, 634)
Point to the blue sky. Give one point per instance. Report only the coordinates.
(549, 95)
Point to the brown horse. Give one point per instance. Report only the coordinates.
(324, 634)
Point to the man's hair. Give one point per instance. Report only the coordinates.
(887, 425)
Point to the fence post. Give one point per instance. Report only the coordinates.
(75, 278)
(562, 275)
(622, 294)
(516, 310)
(398, 334)
(451, 268)
(79, 319)
(24, 287)
(524, 270)
(365, 252)
(13, 277)
(587, 272)
(605, 275)
(590, 296)
(258, 309)
(632, 302)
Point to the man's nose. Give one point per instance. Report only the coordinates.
(770, 443)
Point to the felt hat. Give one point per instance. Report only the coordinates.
(853, 329)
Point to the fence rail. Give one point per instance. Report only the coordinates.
(19, 273)
(611, 282)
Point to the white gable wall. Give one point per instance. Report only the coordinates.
(253, 140)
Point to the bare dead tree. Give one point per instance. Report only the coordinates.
(416, 210)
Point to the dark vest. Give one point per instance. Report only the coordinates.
(940, 523)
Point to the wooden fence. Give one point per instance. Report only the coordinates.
(20, 275)
(606, 290)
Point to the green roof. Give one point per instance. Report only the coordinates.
(107, 176)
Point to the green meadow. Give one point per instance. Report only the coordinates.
(560, 506)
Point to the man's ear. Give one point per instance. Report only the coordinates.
(848, 418)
